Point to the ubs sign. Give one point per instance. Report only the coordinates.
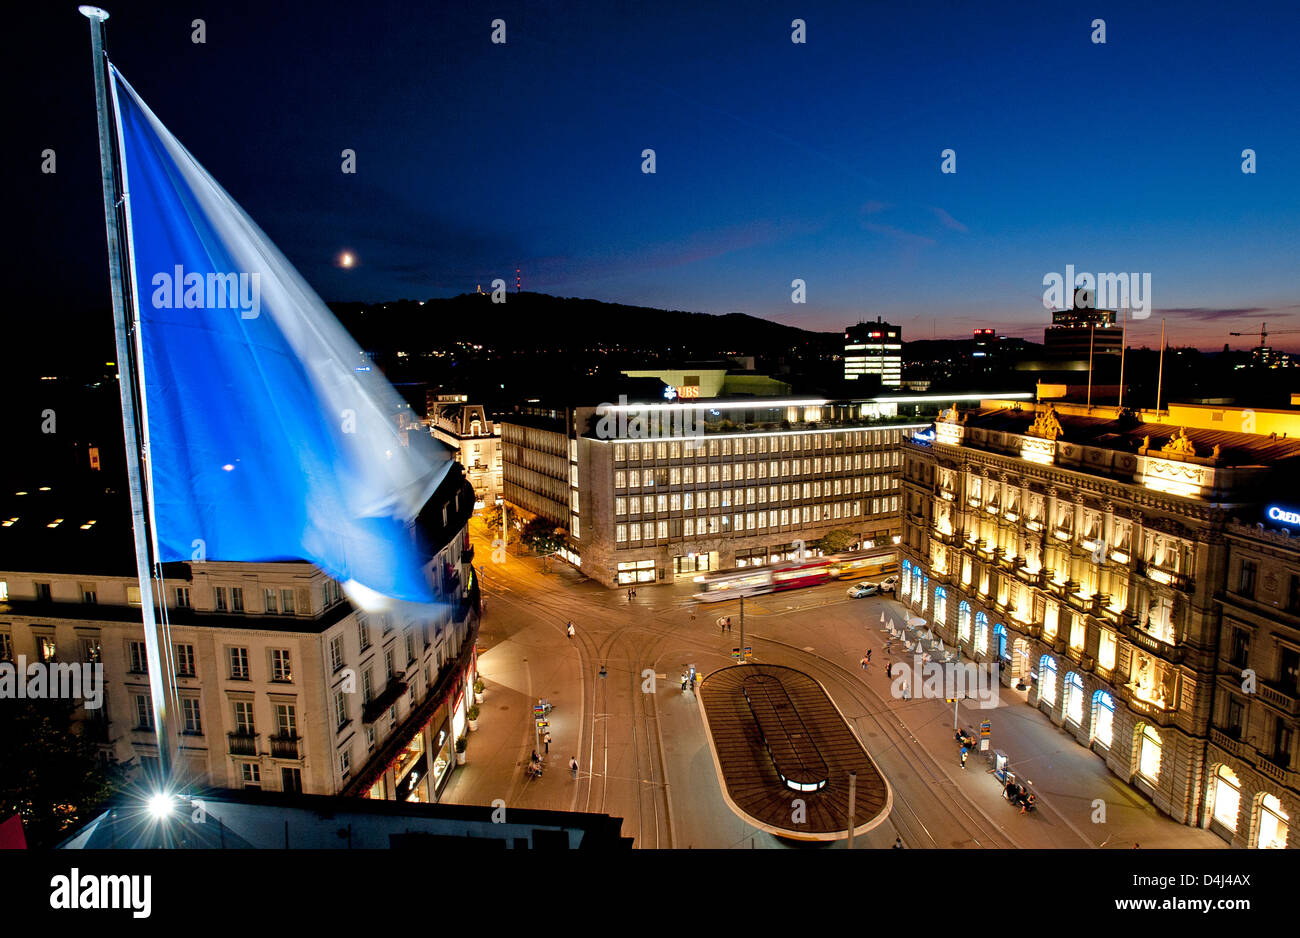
(1286, 516)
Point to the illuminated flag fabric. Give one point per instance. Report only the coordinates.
(269, 435)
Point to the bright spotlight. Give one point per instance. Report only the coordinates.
(160, 806)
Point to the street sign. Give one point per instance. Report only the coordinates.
(986, 729)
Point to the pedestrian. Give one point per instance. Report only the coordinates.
(692, 682)
(547, 742)
(898, 843)
(868, 656)
(573, 766)
(864, 662)
(964, 750)
(684, 682)
(722, 626)
(570, 630)
(889, 646)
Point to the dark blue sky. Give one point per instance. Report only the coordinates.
(775, 160)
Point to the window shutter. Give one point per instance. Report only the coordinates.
(302, 601)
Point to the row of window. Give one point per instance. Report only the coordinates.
(726, 498)
(763, 469)
(751, 445)
(286, 717)
(674, 528)
(227, 598)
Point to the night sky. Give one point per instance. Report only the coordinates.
(775, 161)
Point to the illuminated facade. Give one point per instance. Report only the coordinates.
(282, 684)
(1085, 554)
(474, 439)
(648, 492)
(874, 348)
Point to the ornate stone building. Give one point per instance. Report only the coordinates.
(1087, 552)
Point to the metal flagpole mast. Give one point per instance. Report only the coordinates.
(126, 383)
(1160, 378)
(1123, 347)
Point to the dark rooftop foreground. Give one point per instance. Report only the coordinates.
(258, 820)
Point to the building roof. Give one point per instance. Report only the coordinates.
(250, 819)
(1235, 448)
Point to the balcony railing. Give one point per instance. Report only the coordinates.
(243, 744)
(1224, 741)
(1285, 700)
(1179, 581)
(1148, 642)
(286, 747)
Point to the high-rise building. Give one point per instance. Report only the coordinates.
(1116, 567)
(1074, 332)
(874, 348)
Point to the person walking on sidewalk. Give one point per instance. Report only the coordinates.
(864, 662)
(722, 625)
(573, 766)
(547, 743)
(868, 656)
(964, 750)
(571, 630)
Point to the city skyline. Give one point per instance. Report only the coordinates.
(467, 169)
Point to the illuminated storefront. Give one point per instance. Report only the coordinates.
(1227, 797)
(1272, 824)
(410, 769)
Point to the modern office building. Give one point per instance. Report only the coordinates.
(647, 492)
(474, 439)
(1111, 565)
(1075, 332)
(874, 348)
(282, 684)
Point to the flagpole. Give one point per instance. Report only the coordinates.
(1123, 347)
(1160, 375)
(127, 387)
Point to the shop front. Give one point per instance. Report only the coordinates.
(410, 769)
(443, 757)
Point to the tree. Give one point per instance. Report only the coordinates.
(491, 517)
(542, 536)
(836, 541)
(50, 770)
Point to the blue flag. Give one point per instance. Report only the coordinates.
(268, 434)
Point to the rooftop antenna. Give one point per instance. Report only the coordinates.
(1123, 347)
(1161, 376)
(518, 280)
(1092, 333)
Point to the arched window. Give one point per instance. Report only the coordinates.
(981, 633)
(1047, 680)
(1103, 717)
(916, 586)
(907, 577)
(1074, 697)
(1149, 751)
(1000, 642)
(940, 605)
(1227, 797)
(963, 622)
(1272, 824)
(925, 592)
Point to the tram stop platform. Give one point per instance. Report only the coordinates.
(784, 754)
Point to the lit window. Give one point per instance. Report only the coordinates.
(1047, 680)
(1103, 717)
(1227, 797)
(1150, 752)
(1074, 697)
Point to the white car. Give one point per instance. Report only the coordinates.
(888, 584)
(860, 590)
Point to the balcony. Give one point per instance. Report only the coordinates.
(1148, 642)
(1158, 715)
(375, 708)
(1226, 742)
(286, 747)
(1179, 581)
(243, 744)
(1285, 699)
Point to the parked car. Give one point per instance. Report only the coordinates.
(888, 585)
(859, 590)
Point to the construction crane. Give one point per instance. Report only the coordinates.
(1264, 333)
